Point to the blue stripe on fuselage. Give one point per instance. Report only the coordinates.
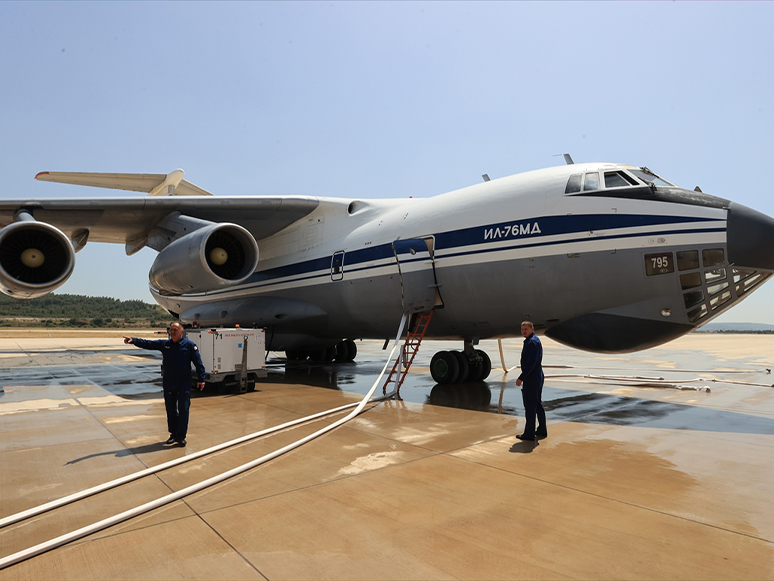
(476, 235)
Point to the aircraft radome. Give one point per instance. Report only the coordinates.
(600, 256)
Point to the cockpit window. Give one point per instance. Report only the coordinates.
(648, 176)
(591, 182)
(573, 184)
(618, 179)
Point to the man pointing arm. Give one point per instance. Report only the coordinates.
(178, 353)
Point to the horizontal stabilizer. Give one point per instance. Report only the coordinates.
(171, 184)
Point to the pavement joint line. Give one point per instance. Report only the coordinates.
(316, 484)
(195, 514)
(233, 548)
(619, 501)
(433, 453)
(23, 350)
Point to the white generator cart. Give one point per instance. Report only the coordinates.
(233, 358)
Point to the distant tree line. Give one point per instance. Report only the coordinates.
(738, 331)
(80, 311)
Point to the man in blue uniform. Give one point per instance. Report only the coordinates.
(178, 353)
(531, 382)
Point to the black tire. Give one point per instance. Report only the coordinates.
(464, 365)
(444, 367)
(474, 374)
(295, 355)
(486, 364)
(351, 350)
(342, 352)
(330, 354)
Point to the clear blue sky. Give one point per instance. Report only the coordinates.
(369, 99)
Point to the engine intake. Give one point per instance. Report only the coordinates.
(35, 259)
(209, 258)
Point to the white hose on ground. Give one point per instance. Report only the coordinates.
(502, 358)
(19, 516)
(105, 523)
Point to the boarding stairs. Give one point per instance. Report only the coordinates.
(409, 350)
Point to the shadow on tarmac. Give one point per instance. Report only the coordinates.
(124, 452)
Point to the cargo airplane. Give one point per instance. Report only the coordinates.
(603, 257)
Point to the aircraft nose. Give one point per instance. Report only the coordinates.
(750, 236)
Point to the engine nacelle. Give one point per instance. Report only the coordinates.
(35, 258)
(209, 258)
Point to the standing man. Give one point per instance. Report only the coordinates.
(178, 353)
(532, 379)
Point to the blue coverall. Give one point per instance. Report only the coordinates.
(176, 371)
(532, 388)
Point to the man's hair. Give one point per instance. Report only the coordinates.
(175, 323)
(529, 324)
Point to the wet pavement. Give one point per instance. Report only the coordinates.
(579, 387)
(640, 477)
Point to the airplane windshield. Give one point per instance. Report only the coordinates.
(648, 176)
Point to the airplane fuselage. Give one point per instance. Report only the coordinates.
(609, 269)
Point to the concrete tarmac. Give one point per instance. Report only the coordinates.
(645, 473)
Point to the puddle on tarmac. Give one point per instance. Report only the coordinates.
(499, 394)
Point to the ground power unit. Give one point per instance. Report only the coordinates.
(233, 358)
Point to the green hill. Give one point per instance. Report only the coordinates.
(77, 310)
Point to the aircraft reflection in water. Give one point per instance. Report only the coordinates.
(602, 257)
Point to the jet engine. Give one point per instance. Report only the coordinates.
(212, 257)
(35, 258)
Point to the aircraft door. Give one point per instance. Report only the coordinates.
(416, 267)
(337, 265)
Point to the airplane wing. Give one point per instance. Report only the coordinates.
(39, 238)
(123, 219)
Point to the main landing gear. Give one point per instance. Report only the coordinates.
(460, 366)
(343, 352)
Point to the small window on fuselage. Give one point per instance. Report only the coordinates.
(618, 179)
(573, 184)
(712, 256)
(687, 259)
(592, 181)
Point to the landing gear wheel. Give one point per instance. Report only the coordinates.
(464, 365)
(475, 371)
(486, 364)
(295, 354)
(342, 352)
(351, 350)
(444, 367)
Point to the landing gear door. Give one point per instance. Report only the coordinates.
(417, 274)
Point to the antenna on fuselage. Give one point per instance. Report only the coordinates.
(485, 176)
(567, 159)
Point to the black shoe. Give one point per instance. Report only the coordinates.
(540, 436)
(525, 438)
(181, 443)
(171, 440)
